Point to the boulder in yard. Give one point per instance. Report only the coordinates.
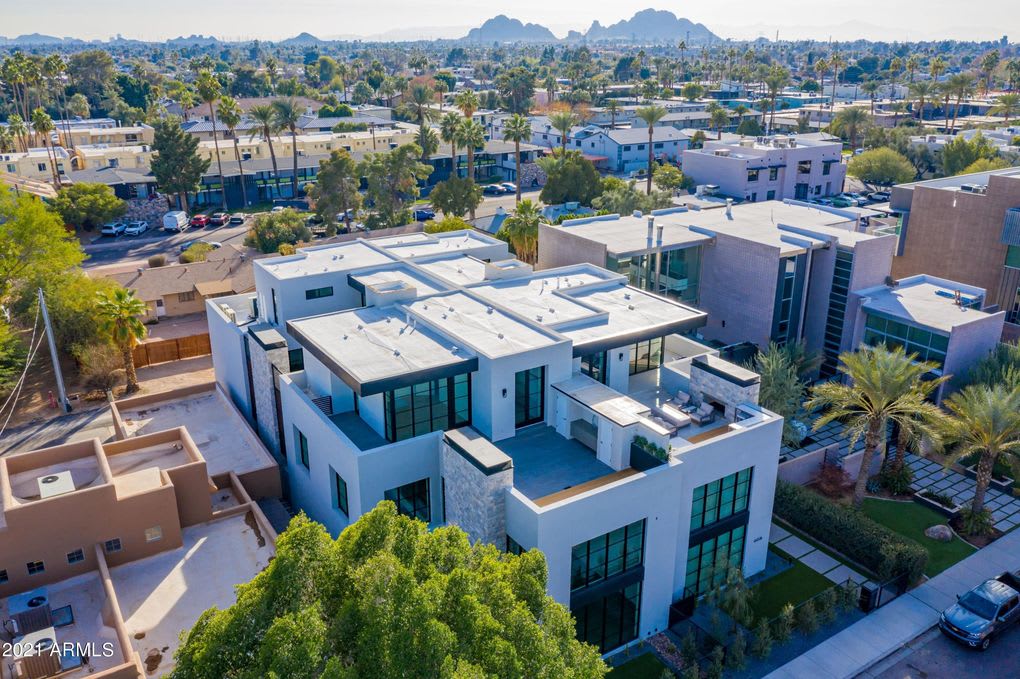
(940, 532)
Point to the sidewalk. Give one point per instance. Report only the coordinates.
(884, 631)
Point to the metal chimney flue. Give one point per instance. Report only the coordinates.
(651, 225)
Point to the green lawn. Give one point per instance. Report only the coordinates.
(794, 585)
(910, 519)
(645, 666)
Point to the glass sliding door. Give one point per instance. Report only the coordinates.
(529, 396)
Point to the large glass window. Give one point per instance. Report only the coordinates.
(1013, 256)
(787, 306)
(302, 447)
(607, 555)
(709, 561)
(804, 167)
(679, 272)
(529, 396)
(428, 406)
(594, 366)
(720, 499)
(319, 293)
(610, 621)
(340, 493)
(928, 345)
(645, 356)
(412, 500)
(836, 314)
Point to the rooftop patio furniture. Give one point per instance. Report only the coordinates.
(705, 414)
(672, 413)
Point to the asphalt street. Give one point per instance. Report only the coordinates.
(934, 656)
(107, 250)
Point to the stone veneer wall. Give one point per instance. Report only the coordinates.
(719, 389)
(262, 376)
(475, 501)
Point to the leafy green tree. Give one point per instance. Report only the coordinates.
(569, 177)
(1001, 366)
(692, 91)
(781, 389)
(521, 230)
(882, 387)
(273, 228)
(750, 127)
(12, 358)
(177, 166)
(669, 178)
(782, 626)
(623, 198)
(960, 153)
(335, 192)
(516, 86)
(456, 196)
(392, 180)
(34, 245)
(447, 223)
(119, 311)
(362, 93)
(807, 617)
(986, 165)
(882, 166)
(198, 252)
(87, 206)
(389, 598)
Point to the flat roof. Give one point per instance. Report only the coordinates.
(399, 273)
(925, 301)
(542, 296)
(375, 349)
(458, 269)
(606, 401)
(420, 244)
(334, 257)
(483, 327)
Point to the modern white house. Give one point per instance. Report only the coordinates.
(797, 166)
(561, 410)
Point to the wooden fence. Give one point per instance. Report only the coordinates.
(163, 351)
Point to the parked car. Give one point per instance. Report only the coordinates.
(858, 198)
(828, 202)
(136, 228)
(236, 219)
(879, 196)
(509, 187)
(200, 221)
(211, 243)
(493, 190)
(219, 218)
(984, 612)
(278, 208)
(840, 201)
(424, 214)
(113, 229)
(175, 221)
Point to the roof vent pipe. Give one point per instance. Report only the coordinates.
(658, 235)
(729, 207)
(651, 225)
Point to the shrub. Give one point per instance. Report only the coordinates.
(848, 595)
(157, 261)
(286, 249)
(652, 449)
(689, 648)
(196, 253)
(692, 671)
(807, 618)
(782, 628)
(101, 366)
(715, 668)
(896, 481)
(850, 532)
(761, 647)
(975, 523)
(737, 656)
(827, 603)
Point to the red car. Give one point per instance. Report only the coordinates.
(200, 220)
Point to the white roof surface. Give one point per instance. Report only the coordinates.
(334, 257)
(925, 301)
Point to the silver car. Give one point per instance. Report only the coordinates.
(136, 228)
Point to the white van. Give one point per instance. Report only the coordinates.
(175, 221)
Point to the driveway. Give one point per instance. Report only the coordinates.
(933, 656)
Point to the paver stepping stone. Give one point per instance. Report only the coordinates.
(794, 546)
(777, 533)
(820, 561)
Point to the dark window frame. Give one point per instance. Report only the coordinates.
(76, 556)
(303, 456)
(412, 411)
(417, 493)
(35, 567)
(624, 545)
(341, 501)
(319, 293)
(526, 412)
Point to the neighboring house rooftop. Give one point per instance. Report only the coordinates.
(928, 301)
(151, 283)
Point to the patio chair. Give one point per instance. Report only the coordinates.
(705, 414)
(671, 412)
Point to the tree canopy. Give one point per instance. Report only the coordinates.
(271, 229)
(177, 166)
(456, 196)
(961, 153)
(389, 598)
(392, 180)
(34, 245)
(87, 206)
(881, 166)
(570, 177)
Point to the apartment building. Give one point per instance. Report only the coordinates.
(108, 551)
(313, 144)
(90, 133)
(36, 163)
(306, 124)
(769, 271)
(967, 229)
(941, 321)
(98, 156)
(434, 371)
(778, 167)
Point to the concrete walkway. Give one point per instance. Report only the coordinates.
(813, 558)
(868, 641)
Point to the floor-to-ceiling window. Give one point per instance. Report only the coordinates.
(428, 406)
(679, 272)
(927, 344)
(529, 396)
(645, 356)
(605, 586)
(837, 311)
(718, 527)
(595, 367)
(412, 500)
(789, 294)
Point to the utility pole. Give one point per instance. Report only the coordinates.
(64, 403)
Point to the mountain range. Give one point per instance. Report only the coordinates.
(648, 25)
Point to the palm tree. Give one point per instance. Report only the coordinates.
(427, 140)
(449, 128)
(882, 388)
(53, 68)
(419, 104)
(563, 122)
(612, 108)
(118, 311)
(209, 90)
(776, 80)
(19, 131)
(836, 62)
(517, 128)
(440, 88)
(43, 125)
(871, 88)
(467, 102)
(230, 115)
(287, 112)
(1007, 105)
(264, 118)
(922, 91)
(850, 121)
(471, 135)
(6, 140)
(522, 231)
(962, 86)
(650, 115)
(718, 118)
(937, 67)
(985, 421)
(913, 63)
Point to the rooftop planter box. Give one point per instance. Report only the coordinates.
(645, 455)
(942, 504)
(999, 482)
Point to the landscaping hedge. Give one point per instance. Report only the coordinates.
(850, 532)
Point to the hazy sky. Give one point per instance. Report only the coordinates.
(274, 19)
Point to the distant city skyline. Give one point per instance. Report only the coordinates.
(401, 19)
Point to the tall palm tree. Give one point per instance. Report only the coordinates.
(287, 113)
(449, 129)
(850, 121)
(264, 118)
(776, 80)
(871, 88)
(937, 67)
(230, 115)
(719, 118)
(43, 125)
(650, 115)
(16, 124)
(53, 69)
(522, 231)
(6, 140)
(1007, 105)
(209, 90)
(563, 122)
(471, 135)
(440, 88)
(985, 421)
(427, 140)
(612, 108)
(517, 128)
(922, 91)
(962, 86)
(418, 105)
(118, 312)
(882, 388)
(467, 102)
(836, 62)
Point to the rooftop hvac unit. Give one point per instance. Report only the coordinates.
(722, 152)
(981, 189)
(52, 485)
